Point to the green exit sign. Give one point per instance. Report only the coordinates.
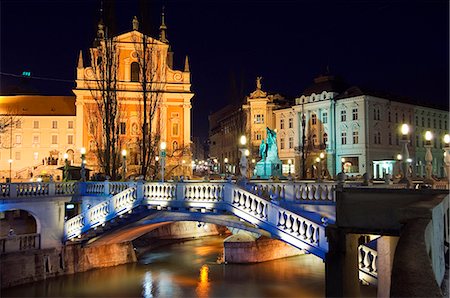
(26, 73)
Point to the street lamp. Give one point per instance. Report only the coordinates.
(428, 156)
(289, 167)
(66, 167)
(83, 164)
(10, 161)
(447, 154)
(319, 169)
(342, 163)
(243, 164)
(405, 154)
(124, 163)
(225, 160)
(163, 147)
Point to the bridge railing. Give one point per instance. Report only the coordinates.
(20, 243)
(367, 258)
(37, 189)
(105, 187)
(295, 191)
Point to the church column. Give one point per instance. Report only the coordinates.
(79, 124)
(187, 124)
(127, 70)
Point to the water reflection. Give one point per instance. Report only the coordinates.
(188, 269)
(203, 282)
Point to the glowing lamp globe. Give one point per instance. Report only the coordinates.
(399, 157)
(447, 139)
(163, 145)
(428, 136)
(124, 152)
(405, 129)
(243, 140)
(66, 156)
(83, 150)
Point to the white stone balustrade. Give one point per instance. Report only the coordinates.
(295, 191)
(367, 258)
(37, 189)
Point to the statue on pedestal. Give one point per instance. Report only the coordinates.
(270, 164)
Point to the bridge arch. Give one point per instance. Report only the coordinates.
(21, 221)
(157, 219)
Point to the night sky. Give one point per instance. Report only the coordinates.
(400, 47)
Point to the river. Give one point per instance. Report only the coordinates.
(188, 269)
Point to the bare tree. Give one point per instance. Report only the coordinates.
(104, 113)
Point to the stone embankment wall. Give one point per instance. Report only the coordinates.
(28, 266)
(245, 249)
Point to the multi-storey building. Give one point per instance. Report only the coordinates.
(357, 130)
(168, 93)
(250, 119)
(43, 131)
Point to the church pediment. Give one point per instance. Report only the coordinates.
(134, 36)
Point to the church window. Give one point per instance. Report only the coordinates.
(291, 123)
(258, 136)
(258, 119)
(314, 119)
(281, 143)
(123, 128)
(325, 118)
(291, 142)
(344, 138)
(175, 145)
(175, 129)
(135, 72)
(343, 116)
(281, 123)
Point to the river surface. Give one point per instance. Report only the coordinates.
(188, 269)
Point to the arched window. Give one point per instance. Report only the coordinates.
(325, 138)
(135, 72)
(175, 145)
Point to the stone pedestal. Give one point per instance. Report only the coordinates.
(267, 169)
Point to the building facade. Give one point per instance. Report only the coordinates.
(358, 132)
(168, 93)
(43, 130)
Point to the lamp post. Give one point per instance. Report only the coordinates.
(163, 147)
(428, 157)
(10, 161)
(322, 157)
(342, 163)
(83, 164)
(66, 167)
(447, 154)
(319, 169)
(243, 164)
(405, 154)
(289, 167)
(225, 160)
(124, 164)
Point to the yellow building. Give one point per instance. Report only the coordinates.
(43, 131)
(173, 98)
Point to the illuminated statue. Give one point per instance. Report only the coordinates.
(135, 23)
(263, 150)
(258, 83)
(269, 165)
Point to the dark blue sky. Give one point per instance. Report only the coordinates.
(399, 47)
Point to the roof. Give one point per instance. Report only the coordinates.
(38, 105)
(358, 91)
(327, 83)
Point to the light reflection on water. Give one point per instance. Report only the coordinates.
(188, 269)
